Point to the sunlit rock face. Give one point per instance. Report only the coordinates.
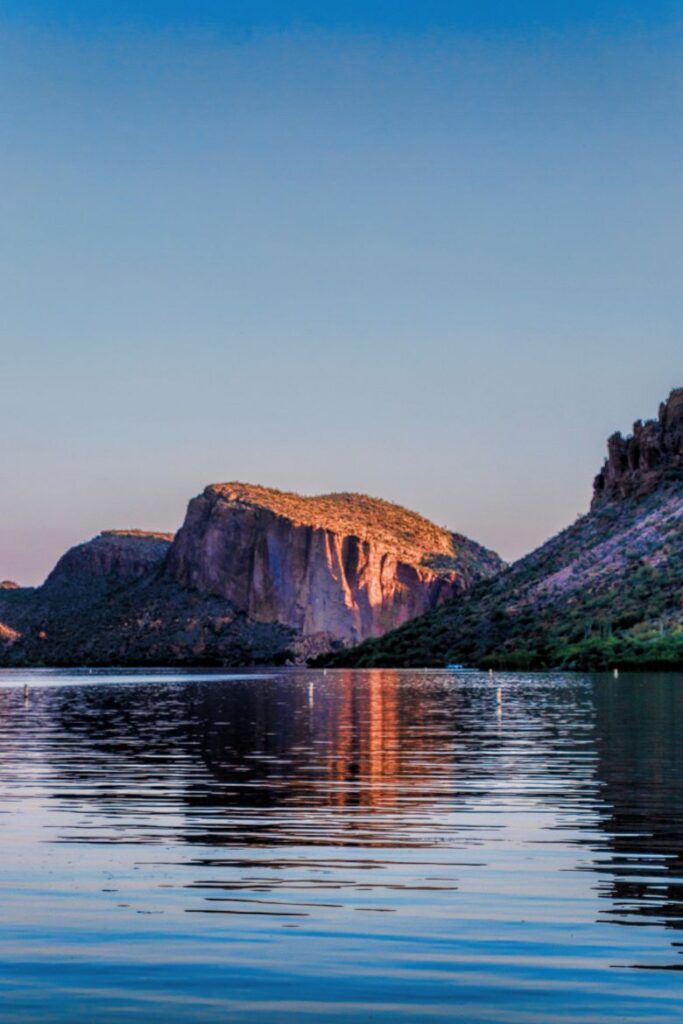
(8, 635)
(344, 565)
(637, 464)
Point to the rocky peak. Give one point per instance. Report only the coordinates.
(9, 585)
(117, 556)
(636, 465)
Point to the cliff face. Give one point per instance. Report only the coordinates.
(636, 465)
(343, 565)
(606, 591)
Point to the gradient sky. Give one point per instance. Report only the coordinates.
(430, 251)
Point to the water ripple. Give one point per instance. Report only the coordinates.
(291, 845)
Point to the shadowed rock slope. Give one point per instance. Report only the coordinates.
(254, 575)
(607, 591)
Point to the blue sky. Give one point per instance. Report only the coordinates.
(431, 252)
(379, 16)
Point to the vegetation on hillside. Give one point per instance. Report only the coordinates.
(606, 592)
(407, 535)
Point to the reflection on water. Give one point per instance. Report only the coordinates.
(640, 768)
(298, 845)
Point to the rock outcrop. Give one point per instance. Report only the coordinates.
(343, 565)
(636, 465)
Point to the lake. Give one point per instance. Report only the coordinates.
(290, 845)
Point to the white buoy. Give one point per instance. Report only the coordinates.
(616, 673)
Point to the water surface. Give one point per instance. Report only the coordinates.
(297, 846)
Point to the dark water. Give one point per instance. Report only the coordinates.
(355, 846)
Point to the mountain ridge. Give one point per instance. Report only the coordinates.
(252, 574)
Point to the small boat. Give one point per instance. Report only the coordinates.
(455, 667)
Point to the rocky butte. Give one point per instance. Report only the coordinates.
(253, 575)
(344, 565)
(607, 591)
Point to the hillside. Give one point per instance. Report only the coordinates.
(606, 591)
